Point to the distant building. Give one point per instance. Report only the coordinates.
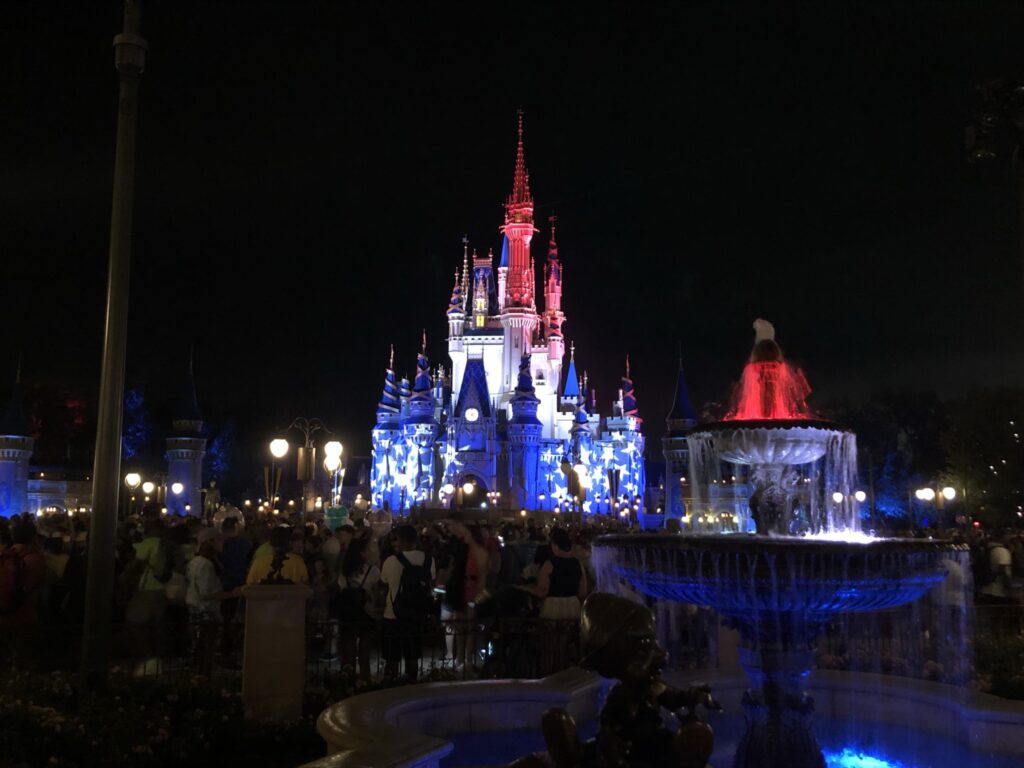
(505, 420)
(15, 451)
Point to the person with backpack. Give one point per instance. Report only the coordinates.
(22, 573)
(143, 592)
(354, 605)
(409, 577)
(154, 566)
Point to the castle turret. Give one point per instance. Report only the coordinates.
(386, 433)
(420, 430)
(15, 451)
(570, 395)
(680, 422)
(519, 315)
(503, 273)
(185, 450)
(554, 318)
(524, 434)
(624, 429)
(456, 314)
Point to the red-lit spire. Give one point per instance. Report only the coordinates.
(521, 179)
(552, 245)
(519, 230)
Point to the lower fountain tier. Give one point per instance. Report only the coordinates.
(758, 577)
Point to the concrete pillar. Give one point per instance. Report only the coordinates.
(274, 667)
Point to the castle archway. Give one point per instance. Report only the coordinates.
(470, 492)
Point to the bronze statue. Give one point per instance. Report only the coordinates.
(618, 641)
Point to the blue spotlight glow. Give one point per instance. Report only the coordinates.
(849, 758)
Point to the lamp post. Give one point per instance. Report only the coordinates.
(132, 480)
(272, 474)
(940, 496)
(332, 464)
(449, 491)
(129, 59)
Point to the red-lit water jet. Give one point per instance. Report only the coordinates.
(771, 388)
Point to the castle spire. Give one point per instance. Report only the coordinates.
(455, 302)
(552, 244)
(521, 176)
(465, 271)
(519, 230)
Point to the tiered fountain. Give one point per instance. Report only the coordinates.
(778, 589)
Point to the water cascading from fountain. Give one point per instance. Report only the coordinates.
(803, 470)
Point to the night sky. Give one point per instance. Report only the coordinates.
(306, 173)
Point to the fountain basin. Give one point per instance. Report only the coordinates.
(770, 442)
(755, 577)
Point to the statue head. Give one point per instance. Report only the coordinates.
(618, 640)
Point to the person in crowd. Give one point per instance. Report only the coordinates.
(358, 584)
(204, 593)
(280, 563)
(408, 575)
(22, 574)
(234, 560)
(331, 549)
(996, 588)
(561, 581)
(145, 580)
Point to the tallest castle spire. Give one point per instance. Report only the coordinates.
(519, 230)
(521, 178)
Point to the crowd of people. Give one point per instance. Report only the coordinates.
(372, 590)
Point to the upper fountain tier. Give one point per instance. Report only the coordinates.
(769, 422)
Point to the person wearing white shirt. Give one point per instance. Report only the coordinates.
(403, 638)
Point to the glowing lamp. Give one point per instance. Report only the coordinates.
(448, 489)
(176, 488)
(860, 496)
(467, 487)
(132, 480)
(837, 497)
(248, 502)
(925, 494)
(949, 493)
(333, 448)
(148, 487)
(163, 511)
(278, 448)
(332, 463)
(522, 513)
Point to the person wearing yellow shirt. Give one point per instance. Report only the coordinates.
(293, 568)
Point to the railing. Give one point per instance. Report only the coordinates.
(512, 648)
(508, 648)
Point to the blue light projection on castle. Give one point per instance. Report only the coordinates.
(505, 420)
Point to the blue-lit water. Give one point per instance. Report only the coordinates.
(845, 744)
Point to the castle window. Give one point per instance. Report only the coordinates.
(480, 321)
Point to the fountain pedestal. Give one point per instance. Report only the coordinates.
(779, 711)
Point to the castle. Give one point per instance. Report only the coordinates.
(505, 428)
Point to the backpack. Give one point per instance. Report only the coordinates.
(12, 583)
(162, 566)
(414, 598)
(351, 602)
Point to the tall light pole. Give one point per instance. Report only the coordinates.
(129, 60)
